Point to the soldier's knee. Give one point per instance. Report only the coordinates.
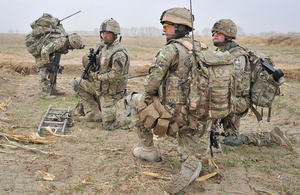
(74, 84)
(43, 72)
(129, 107)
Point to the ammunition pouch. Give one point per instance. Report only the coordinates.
(154, 116)
(114, 88)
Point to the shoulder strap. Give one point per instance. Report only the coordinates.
(186, 44)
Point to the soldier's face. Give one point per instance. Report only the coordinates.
(219, 37)
(107, 36)
(169, 29)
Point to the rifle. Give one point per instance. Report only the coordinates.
(57, 70)
(141, 75)
(214, 141)
(92, 60)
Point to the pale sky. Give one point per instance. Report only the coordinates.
(253, 16)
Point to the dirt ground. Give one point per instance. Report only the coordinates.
(90, 160)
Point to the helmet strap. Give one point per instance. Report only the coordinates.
(111, 41)
(218, 44)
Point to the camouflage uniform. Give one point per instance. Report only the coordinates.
(175, 61)
(108, 85)
(55, 44)
(47, 38)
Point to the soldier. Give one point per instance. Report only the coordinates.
(56, 43)
(107, 81)
(164, 101)
(47, 38)
(223, 32)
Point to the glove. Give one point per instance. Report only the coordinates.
(49, 68)
(91, 77)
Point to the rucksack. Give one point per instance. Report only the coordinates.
(42, 29)
(211, 85)
(265, 81)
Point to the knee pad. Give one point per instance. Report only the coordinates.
(74, 84)
(43, 72)
(128, 104)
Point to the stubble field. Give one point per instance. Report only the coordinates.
(90, 160)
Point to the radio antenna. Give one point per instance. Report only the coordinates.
(192, 20)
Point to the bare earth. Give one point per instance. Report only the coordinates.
(90, 160)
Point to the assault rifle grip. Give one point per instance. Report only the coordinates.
(214, 142)
(92, 60)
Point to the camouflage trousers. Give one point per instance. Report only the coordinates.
(106, 104)
(190, 141)
(232, 122)
(257, 139)
(44, 76)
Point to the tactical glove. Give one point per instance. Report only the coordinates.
(49, 68)
(91, 77)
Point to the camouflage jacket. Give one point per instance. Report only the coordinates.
(169, 68)
(54, 43)
(114, 62)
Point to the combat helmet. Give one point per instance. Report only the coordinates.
(75, 41)
(181, 18)
(225, 26)
(110, 25)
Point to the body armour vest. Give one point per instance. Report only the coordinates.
(242, 74)
(114, 87)
(174, 91)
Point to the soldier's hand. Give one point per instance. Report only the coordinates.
(96, 76)
(91, 77)
(49, 68)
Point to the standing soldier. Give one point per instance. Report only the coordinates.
(107, 80)
(223, 32)
(47, 38)
(164, 101)
(58, 44)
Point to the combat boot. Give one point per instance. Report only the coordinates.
(57, 92)
(92, 116)
(233, 140)
(146, 153)
(279, 138)
(190, 171)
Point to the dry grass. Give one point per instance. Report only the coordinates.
(284, 41)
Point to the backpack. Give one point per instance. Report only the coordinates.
(265, 82)
(211, 85)
(42, 29)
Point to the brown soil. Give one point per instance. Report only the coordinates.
(94, 161)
